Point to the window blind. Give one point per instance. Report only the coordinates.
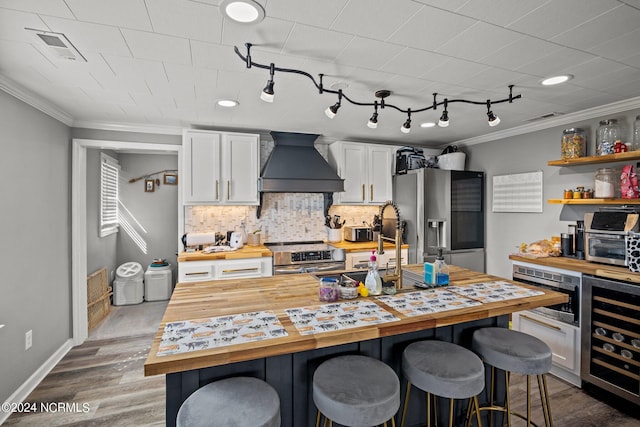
(109, 172)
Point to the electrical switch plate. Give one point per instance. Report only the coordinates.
(28, 339)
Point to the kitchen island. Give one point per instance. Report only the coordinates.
(288, 362)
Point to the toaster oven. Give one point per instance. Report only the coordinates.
(607, 235)
(357, 234)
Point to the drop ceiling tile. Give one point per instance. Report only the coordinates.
(111, 13)
(632, 61)
(155, 100)
(158, 47)
(24, 55)
(627, 76)
(413, 62)
(430, 28)
(608, 26)
(310, 12)
(412, 89)
(13, 24)
(499, 12)
(454, 71)
(555, 63)
(375, 19)
(591, 69)
(367, 53)
(209, 55)
(478, 41)
(269, 35)
(109, 96)
(42, 7)
(619, 48)
(181, 18)
(315, 43)
(494, 79)
(556, 16)
(451, 5)
(523, 50)
(89, 37)
(136, 74)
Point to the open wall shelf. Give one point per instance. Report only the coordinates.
(607, 158)
(594, 201)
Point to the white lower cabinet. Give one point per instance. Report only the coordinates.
(360, 260)
(563, 340)
(199, 271)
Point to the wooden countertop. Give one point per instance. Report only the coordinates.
(277, 293)
(582, 266)
(244, 252)
(362, 246)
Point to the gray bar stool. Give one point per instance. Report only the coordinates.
(443, 369)
(514, 351)
(356, 391)
(238, 402)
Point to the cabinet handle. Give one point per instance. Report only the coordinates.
(229, 190)
(217, 190)
(371, 193)
(540, 322)
(363, 199)
(198, 273)
(239, 270)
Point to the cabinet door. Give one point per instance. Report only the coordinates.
(201, 165)
(353, 170)
(357, 260)
(380, 180)
(241, 168)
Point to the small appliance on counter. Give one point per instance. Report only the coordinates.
(606, 235)
(354, 233)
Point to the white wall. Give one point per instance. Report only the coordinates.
(528, 153)
(35, 230)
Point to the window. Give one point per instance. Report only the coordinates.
(109, 172)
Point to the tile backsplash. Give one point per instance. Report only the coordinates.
(285, 217)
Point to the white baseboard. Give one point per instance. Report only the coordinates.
(30, 384)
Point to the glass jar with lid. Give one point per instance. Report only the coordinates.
(574, 143)
(607, 134)
(636, 134)
(606, 183)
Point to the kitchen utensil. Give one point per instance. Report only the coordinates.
(327, 221)
(235, 241)
(336, 221)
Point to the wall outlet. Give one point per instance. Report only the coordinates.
(28, 339)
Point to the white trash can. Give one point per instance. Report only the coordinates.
(128, 288)
(158, 283)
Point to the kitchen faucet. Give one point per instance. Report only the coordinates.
(397, 273)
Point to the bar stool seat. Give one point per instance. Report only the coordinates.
(442, 369)
(237, 402)
(514, 351)
(356, 391)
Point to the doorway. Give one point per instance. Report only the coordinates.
(79, 219)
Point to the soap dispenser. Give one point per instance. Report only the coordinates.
(441, 269)
(373, 282)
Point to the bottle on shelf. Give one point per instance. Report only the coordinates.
(373, 281)
(442, 270)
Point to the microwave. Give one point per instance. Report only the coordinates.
(357, 234)
(606, 236)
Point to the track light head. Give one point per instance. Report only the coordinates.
(373, 121)
(444, 118)
(492, 118)
(332, 110)
(267, 93)
(406, 127)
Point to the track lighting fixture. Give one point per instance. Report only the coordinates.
(268, 93)
(444, 118)
(492, 118)
(332, 110)
(373, 121)
(406, 127)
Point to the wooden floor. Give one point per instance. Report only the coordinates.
(107, 376)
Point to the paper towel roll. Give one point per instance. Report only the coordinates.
(195, 239)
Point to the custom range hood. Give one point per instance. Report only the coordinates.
(295, 166)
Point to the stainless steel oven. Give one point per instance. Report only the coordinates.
(566, 282)
(305, 257)
(606, 235)
(611, 336)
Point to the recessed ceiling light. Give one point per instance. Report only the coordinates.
(242, 11)
(556, 80)
(427, 125)
(227, 103)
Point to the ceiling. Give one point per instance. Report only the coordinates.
(163, 64)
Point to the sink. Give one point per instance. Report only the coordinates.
(360, 275)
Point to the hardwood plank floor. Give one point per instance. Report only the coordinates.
(107, 375)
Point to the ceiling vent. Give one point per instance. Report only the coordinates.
(58, 45)
(545, 116)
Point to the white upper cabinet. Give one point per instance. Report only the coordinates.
(220, 168)
(366, 170)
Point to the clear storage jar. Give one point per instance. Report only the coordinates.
(606, 183)
(607, 134)
(574, 143)
(636, 134)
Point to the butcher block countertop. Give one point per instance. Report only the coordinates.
(582, 266)
(200, 300)
(363, 246)
(244, 252)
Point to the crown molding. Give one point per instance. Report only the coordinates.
(590, 113)
(129, 127)
(34, 100)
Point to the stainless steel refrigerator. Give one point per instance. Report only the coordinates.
(443, 208)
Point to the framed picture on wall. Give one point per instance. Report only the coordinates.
(149, 186)
(170, 179)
